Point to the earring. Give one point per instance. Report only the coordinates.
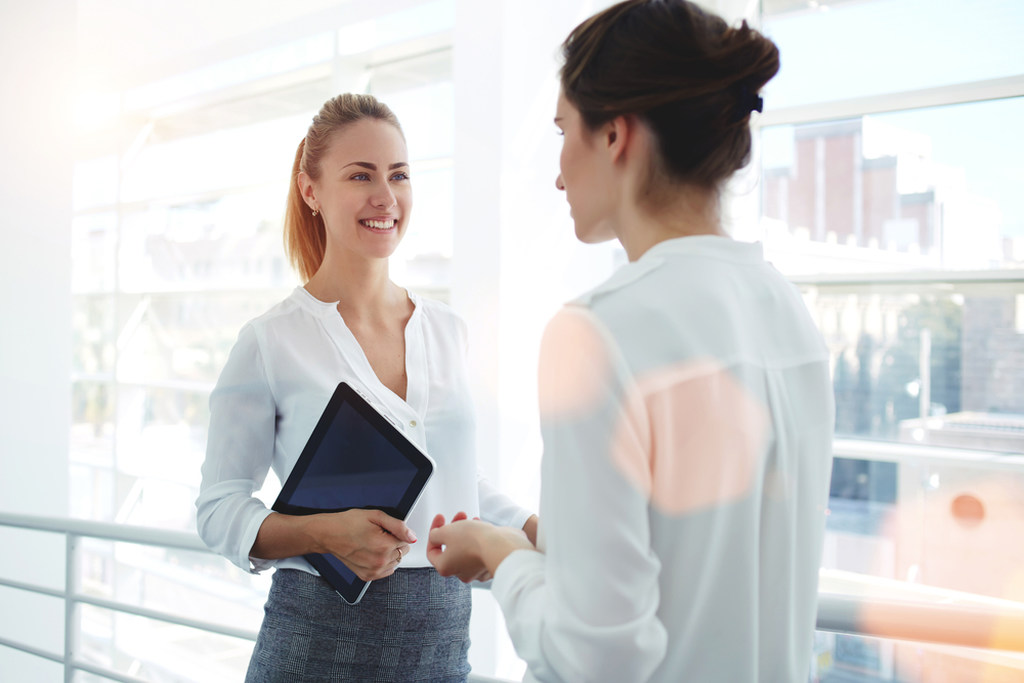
(315, 213)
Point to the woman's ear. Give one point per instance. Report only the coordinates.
(619, 135)
(305, 188)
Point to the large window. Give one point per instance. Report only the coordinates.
(889, 190)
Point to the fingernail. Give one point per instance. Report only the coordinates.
(412, 537)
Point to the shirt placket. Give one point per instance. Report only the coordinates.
(405, 415)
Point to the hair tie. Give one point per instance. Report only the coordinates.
(748, 101)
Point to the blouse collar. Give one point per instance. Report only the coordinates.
(699, 246)
(308, 302)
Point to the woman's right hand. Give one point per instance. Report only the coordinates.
(371, 543)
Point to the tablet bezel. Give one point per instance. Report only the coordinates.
(423, 463)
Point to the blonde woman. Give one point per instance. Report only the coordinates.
(348, 208)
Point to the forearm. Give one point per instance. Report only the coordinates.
(283, 536)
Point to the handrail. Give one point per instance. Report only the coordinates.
(1003, 276)
(107, 531)
(847, 603)
(890, 451)
(888, 608)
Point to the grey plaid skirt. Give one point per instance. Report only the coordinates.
(411, 626)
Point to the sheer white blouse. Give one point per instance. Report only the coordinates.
(277, 380)
(687, 419)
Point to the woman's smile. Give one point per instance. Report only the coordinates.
(379, 225)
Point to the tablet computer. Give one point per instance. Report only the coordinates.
(355, 458)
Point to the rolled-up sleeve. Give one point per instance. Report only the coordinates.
(498, 508)
(239, 451)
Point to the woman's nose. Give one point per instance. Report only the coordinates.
(384, 198)
(558, 182)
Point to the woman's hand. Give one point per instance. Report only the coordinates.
(471, 549)
(371, 543)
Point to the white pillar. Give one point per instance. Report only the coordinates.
(37, 42)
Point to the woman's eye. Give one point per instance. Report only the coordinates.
(400, 176)
(361, 176)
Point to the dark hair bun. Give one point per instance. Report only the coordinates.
(693, 78)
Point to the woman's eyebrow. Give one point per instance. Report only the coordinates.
(373, 167)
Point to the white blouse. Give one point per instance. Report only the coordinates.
(278, 378)
(687, 419)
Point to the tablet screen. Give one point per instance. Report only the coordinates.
(355, 458)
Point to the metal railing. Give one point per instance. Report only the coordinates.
(74, 530)
(848, 603)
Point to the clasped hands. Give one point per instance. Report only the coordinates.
(471, 549)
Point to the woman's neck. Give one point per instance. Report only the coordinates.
(689, 212)
(362, 287)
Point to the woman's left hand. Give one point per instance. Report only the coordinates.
(471, 549)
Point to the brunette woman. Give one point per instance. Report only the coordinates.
(686, 405)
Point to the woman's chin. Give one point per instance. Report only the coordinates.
(593, 234)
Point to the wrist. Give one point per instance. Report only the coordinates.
(310, 528)
(500, 543)
(530, 528)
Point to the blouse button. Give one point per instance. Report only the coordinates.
(412, 423)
